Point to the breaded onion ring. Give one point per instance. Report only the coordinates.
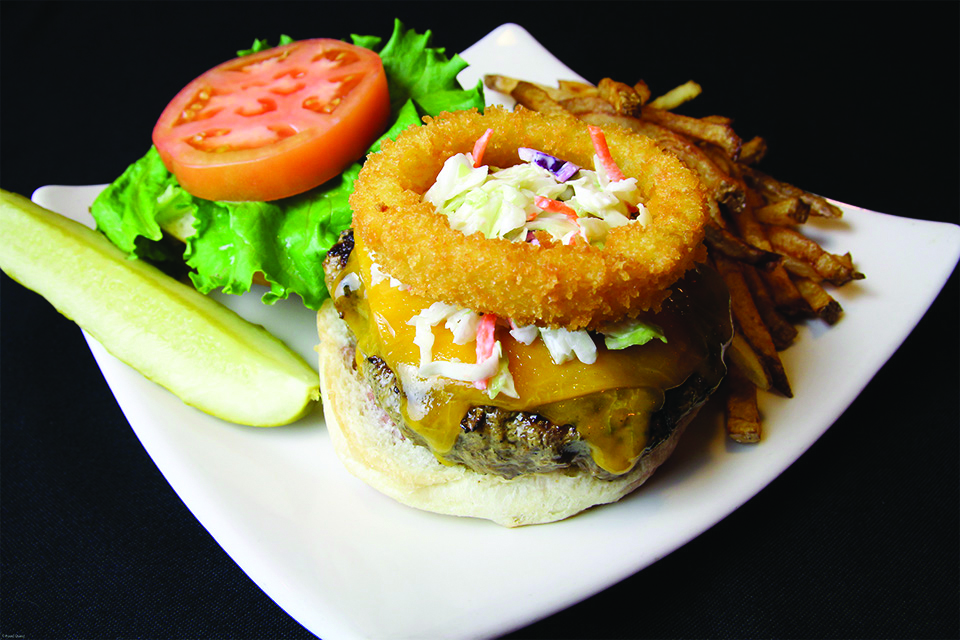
(575, 285)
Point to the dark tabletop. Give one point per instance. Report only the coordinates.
(858, 102)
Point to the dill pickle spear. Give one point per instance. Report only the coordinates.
(189, 343)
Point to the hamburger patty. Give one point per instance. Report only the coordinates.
(508, 443)
(491, 440)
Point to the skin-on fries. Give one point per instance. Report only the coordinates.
(837, 270)
(783, 212)
(720, 134)
(774, 190)
(726, 243)
(743, 413)
(751, 324)
(781, 330)
(677, 96)
(624, 98)
(775, 274)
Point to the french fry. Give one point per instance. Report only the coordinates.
(828, 266)
(507, 85)
(751, 324)
(846, 259)
(821, 302)
(500, 84)
(726, 243)
(677, 96)
(715, 119)
(786, 297)
(643, 91)
(752, 151)
(784, 212)
(575, 87)
(750, 230)
(781, 330)
(724, 161)
(745, 359)
(569, 89)
(800, 268)
(527, 94)
(622, 97)
(533, 97)
(778, 190)
(580, 104)
(721, 135)
(742, 414)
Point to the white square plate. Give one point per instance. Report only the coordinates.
(347, 562)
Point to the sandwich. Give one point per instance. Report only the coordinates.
(521, 321)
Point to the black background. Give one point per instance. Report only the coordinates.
(858, 101)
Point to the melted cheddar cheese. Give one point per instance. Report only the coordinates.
(610, 401)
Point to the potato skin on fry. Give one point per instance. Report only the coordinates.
(573, 286)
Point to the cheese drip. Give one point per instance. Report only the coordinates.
(610, 401)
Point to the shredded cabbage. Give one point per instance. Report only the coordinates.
(463, 324)
(465, 371)
(499, 203)
(630, 333)
(377, 276)
(526, 334)
(424, 323)
(564, 345)
(502, 380)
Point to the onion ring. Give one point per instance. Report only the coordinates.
(574, 286)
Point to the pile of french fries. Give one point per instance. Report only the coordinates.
(776, 275)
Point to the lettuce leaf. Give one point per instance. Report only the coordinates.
(227, 243)
(131, 208)
(631, 333)
(416, 71)
(260, 45)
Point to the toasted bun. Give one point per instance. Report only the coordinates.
(372, 448)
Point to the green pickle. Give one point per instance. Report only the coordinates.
(192, 345)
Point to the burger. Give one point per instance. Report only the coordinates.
(521, 322)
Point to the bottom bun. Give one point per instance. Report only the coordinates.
(372, 448)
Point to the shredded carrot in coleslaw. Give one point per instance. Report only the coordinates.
(603, 152)
(479, 147)
(485, 343)
(549, 204)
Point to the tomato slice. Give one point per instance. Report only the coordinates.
(275, 123)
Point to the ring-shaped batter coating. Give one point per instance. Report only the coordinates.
(573, 286)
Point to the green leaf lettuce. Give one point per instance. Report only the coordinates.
(631, 333)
